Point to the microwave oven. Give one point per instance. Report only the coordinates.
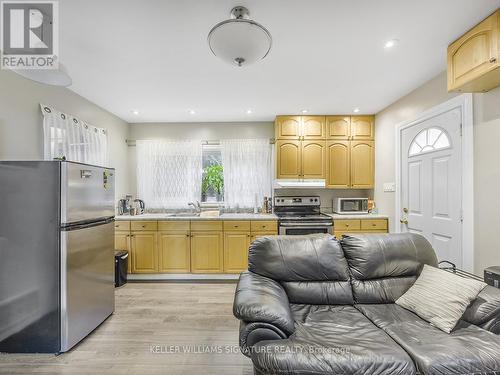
(350, 206)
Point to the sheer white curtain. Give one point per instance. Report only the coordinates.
(69, 137)
(247, 171)
(169, 172)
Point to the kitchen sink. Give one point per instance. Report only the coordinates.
(185, 214)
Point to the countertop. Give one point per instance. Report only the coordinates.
(357, 216)
(228, 216)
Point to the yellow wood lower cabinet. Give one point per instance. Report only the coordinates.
(205, 246)
(256, 235)
(365, 226)
(236, 251)
(207, 252)
(174, 252)
(144, 251)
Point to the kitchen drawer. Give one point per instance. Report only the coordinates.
(122, 225)
(208, 225)
(143, 225)
(237, 226)
(179, 226)
(264, 226)
(344, 225)
(374, 224)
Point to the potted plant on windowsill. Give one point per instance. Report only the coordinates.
(213, 182)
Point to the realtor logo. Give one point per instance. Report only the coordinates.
(29, 34)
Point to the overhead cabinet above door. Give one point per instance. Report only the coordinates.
(473, 59)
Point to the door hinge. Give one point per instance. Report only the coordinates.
(461, 215)
(461, 129)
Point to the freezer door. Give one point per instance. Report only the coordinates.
(87, 192)
(87, 280)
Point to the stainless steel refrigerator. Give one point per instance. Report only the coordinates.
(56, 253)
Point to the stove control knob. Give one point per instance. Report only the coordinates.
(316, 200)
(312, 200)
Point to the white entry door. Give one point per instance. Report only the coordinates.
(431, 183)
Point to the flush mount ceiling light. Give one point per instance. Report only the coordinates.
(391, 43)
(355, 110)
(135, 112)
(304, 111)
(239, 40)
(192, 112)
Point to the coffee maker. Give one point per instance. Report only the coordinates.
(125, 205)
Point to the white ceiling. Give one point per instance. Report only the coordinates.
(327, 56)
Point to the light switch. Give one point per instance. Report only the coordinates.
(389, 187)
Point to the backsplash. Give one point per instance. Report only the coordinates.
(326, 195)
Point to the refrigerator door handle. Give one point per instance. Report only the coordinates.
(88, 225)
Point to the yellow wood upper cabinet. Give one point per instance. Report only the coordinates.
(236, 251)
(288, 159)
(362, 128)
(288, 127)
(300, 127)
(144, 251)
(338, 174)
(313, 127)
(313, 159)
(338, 127)
(174, 252)
(207, 252)
(362, 157)
(473, 59)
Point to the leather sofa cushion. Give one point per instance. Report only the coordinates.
(384, 266)
(312, 269)
(332, 340)
(298, 258)
(387, 255)
(385, 290)
(319, 292)
(467, 350)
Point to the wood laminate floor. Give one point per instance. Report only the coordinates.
(191, 317)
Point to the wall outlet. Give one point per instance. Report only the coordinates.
(389, 187)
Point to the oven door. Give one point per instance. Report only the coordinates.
(295, 229)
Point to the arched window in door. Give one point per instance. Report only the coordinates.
(428, 140)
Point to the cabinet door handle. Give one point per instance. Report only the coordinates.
(143, 226)
(187, 235)
(493, 60)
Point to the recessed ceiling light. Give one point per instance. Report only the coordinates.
(304, 111)
(192, 112)
(135, 112)
(391, 43)
(355, 110)
(249, 111)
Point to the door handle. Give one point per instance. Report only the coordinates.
(404, 221)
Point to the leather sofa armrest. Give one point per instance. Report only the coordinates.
(485, 310)
(253, 333)
(259, 299)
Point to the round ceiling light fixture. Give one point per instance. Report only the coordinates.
(239, 40)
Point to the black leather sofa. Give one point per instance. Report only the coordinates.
(310, 305)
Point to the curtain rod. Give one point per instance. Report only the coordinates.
(132, 142)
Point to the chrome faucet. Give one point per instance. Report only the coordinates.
(196, 206)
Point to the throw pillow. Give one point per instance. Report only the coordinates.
(440, 297)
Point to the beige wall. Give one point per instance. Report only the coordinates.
(486, 153)
(21, 136)
(192, 130)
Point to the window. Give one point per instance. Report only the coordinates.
(428, 140)
(68, 137)
(212, 184)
